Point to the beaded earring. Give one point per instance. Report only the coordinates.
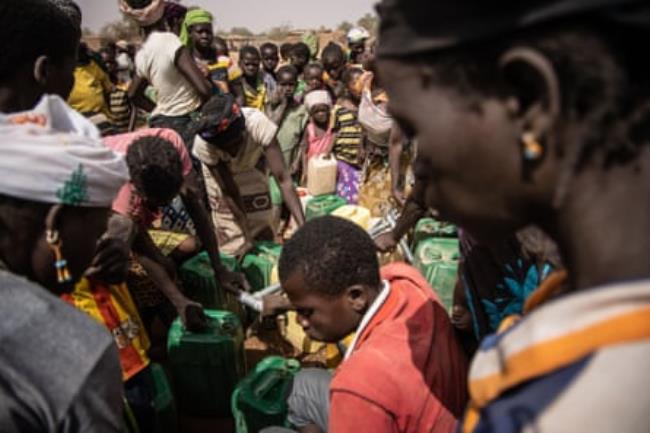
(62, 273)
(533, 151)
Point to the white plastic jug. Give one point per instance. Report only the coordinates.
(321, 175)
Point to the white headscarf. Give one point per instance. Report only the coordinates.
(357, 34)
(48, 155)
(317, 97)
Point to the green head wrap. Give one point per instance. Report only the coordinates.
(311, 39)
(193, 18)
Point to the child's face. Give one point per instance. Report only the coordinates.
(357, 49)
(321, 114)
(250, 65)
(222, 49)
(461, 317)
(287, 84)
(109, 61)
(202, 35)
(323, 318)
(270, 59)
(314, 78)
(334, 68)
(299, 61)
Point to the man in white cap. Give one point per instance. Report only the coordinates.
(357, 37)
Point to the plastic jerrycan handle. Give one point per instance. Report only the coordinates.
(269, 381)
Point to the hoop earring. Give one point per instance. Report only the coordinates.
(533, 151)
(54, 242)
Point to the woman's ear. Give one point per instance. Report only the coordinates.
(534, 90)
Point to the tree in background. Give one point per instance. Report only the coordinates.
(345, 26)
(369, 22)
(123, 29)
(279, 33)
(241, 31)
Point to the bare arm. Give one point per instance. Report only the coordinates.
(162, 272)
(237, 89)
(188, 68)
(302, 162)
(190, 196)
(137, 96)
(395, 148)
(281, 173)
(413, 211)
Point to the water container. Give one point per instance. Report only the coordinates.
(323, 205)
(437, 259)
(321, 175)
(260, 399)
(357, 214)
(199, 283)
(259, 264)
(207, 366)
(163, 401)
(295, 335)
(431, 228)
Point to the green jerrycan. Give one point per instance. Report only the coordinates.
(437, 259)
(200, 285)
(260, 399)
(163, 401)
(323, 205)
(259, 263)
(206, 366)
(430, 228)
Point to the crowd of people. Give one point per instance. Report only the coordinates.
(525, 124)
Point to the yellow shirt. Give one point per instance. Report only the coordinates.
(113, 306)
(91, 84)
(254, 97)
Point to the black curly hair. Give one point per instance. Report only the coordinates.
(287, 70)
(332, 254)
(156, 169)
(301, 49)
(332, 52)
(285, 50)
(269, 46)
(33, 28)
(250, 50)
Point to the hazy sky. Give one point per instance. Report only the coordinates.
(257, 15)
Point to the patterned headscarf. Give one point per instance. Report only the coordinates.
(222, 121)
(46, 158)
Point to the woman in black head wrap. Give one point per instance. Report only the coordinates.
(238, 149)
(537, 112)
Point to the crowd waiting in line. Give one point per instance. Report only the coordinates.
(525, 125)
